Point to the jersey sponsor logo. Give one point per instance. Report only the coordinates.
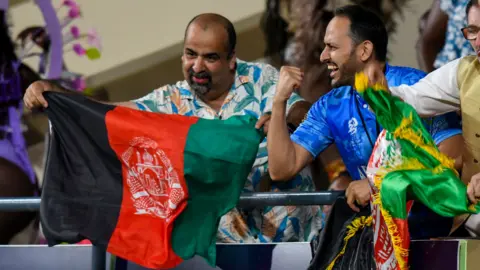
(352, 126)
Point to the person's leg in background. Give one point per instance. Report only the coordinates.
(14, 183)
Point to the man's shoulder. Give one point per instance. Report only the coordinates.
(333, 98)
(397, 75)
(256, 71)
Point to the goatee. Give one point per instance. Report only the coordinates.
(200, 88)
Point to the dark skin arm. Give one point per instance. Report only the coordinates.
(295, 117)
(432, 38)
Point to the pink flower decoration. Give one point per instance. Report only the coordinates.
(70, 3)
(74, 12)
(93, 39)
(75, 31)
(78, 49)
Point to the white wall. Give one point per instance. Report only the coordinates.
(133, 29)
(402, 44)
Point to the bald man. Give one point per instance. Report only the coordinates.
(217, 85)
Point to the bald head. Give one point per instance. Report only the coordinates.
(212, 22)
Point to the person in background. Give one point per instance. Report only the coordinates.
(441, 40)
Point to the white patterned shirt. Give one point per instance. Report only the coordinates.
(252, 93)
(456, 45)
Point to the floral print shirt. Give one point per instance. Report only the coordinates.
(252, 93)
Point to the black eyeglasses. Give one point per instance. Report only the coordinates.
(470, 32)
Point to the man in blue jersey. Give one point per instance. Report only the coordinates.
(354, 37)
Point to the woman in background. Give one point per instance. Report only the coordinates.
(17, 178)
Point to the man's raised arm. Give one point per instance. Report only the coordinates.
(285, 158)
(436, 94)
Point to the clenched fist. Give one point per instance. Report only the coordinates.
(375, 73)
(33, 98)
(290, 78)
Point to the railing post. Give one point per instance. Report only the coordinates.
(99, 258)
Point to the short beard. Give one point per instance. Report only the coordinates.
(348, 72)
(200, 89)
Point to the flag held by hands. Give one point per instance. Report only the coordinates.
(148, 187)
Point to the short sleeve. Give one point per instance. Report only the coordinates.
(156, 101)
(314, 133)
(445, 126)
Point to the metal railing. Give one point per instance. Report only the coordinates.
(246, 200)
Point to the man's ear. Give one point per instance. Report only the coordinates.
(365, 50)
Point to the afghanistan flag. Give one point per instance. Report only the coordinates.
(405, 163)
(148, 187)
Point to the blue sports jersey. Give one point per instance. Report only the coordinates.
(344, 118)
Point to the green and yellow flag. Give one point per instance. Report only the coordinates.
(405, 164)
